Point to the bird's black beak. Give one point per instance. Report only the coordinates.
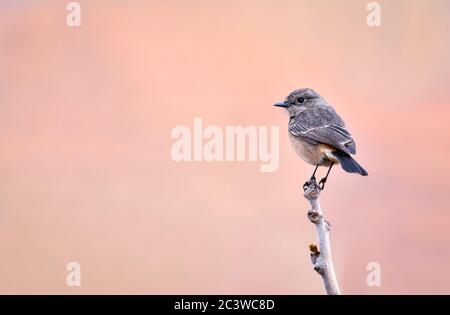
(281, 104)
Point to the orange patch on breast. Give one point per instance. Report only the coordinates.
(315, 154)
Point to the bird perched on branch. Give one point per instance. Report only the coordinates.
(318, 134)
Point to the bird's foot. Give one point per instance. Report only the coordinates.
(322, 183)
(306, 184)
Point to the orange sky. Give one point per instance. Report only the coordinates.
(86, 174)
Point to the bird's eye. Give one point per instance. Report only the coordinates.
(300, 100)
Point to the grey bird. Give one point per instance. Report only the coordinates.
(318, 134)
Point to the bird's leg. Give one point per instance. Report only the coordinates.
(324, 180)
(313, 177)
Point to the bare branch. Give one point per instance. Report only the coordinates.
(321, 257)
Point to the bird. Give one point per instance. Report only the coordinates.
(318, 134)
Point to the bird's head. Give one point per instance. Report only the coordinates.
(299, 100)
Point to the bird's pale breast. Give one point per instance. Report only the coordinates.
(315, 154)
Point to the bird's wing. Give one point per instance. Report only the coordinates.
(321, 124)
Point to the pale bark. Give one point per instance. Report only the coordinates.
(321, 257)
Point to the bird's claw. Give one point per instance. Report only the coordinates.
(306, 184)
(322, 183)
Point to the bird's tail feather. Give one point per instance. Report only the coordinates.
(349, 164)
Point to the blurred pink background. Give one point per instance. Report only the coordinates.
(85, 167)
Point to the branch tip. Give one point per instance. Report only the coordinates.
(321, 260)
(311, 189)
